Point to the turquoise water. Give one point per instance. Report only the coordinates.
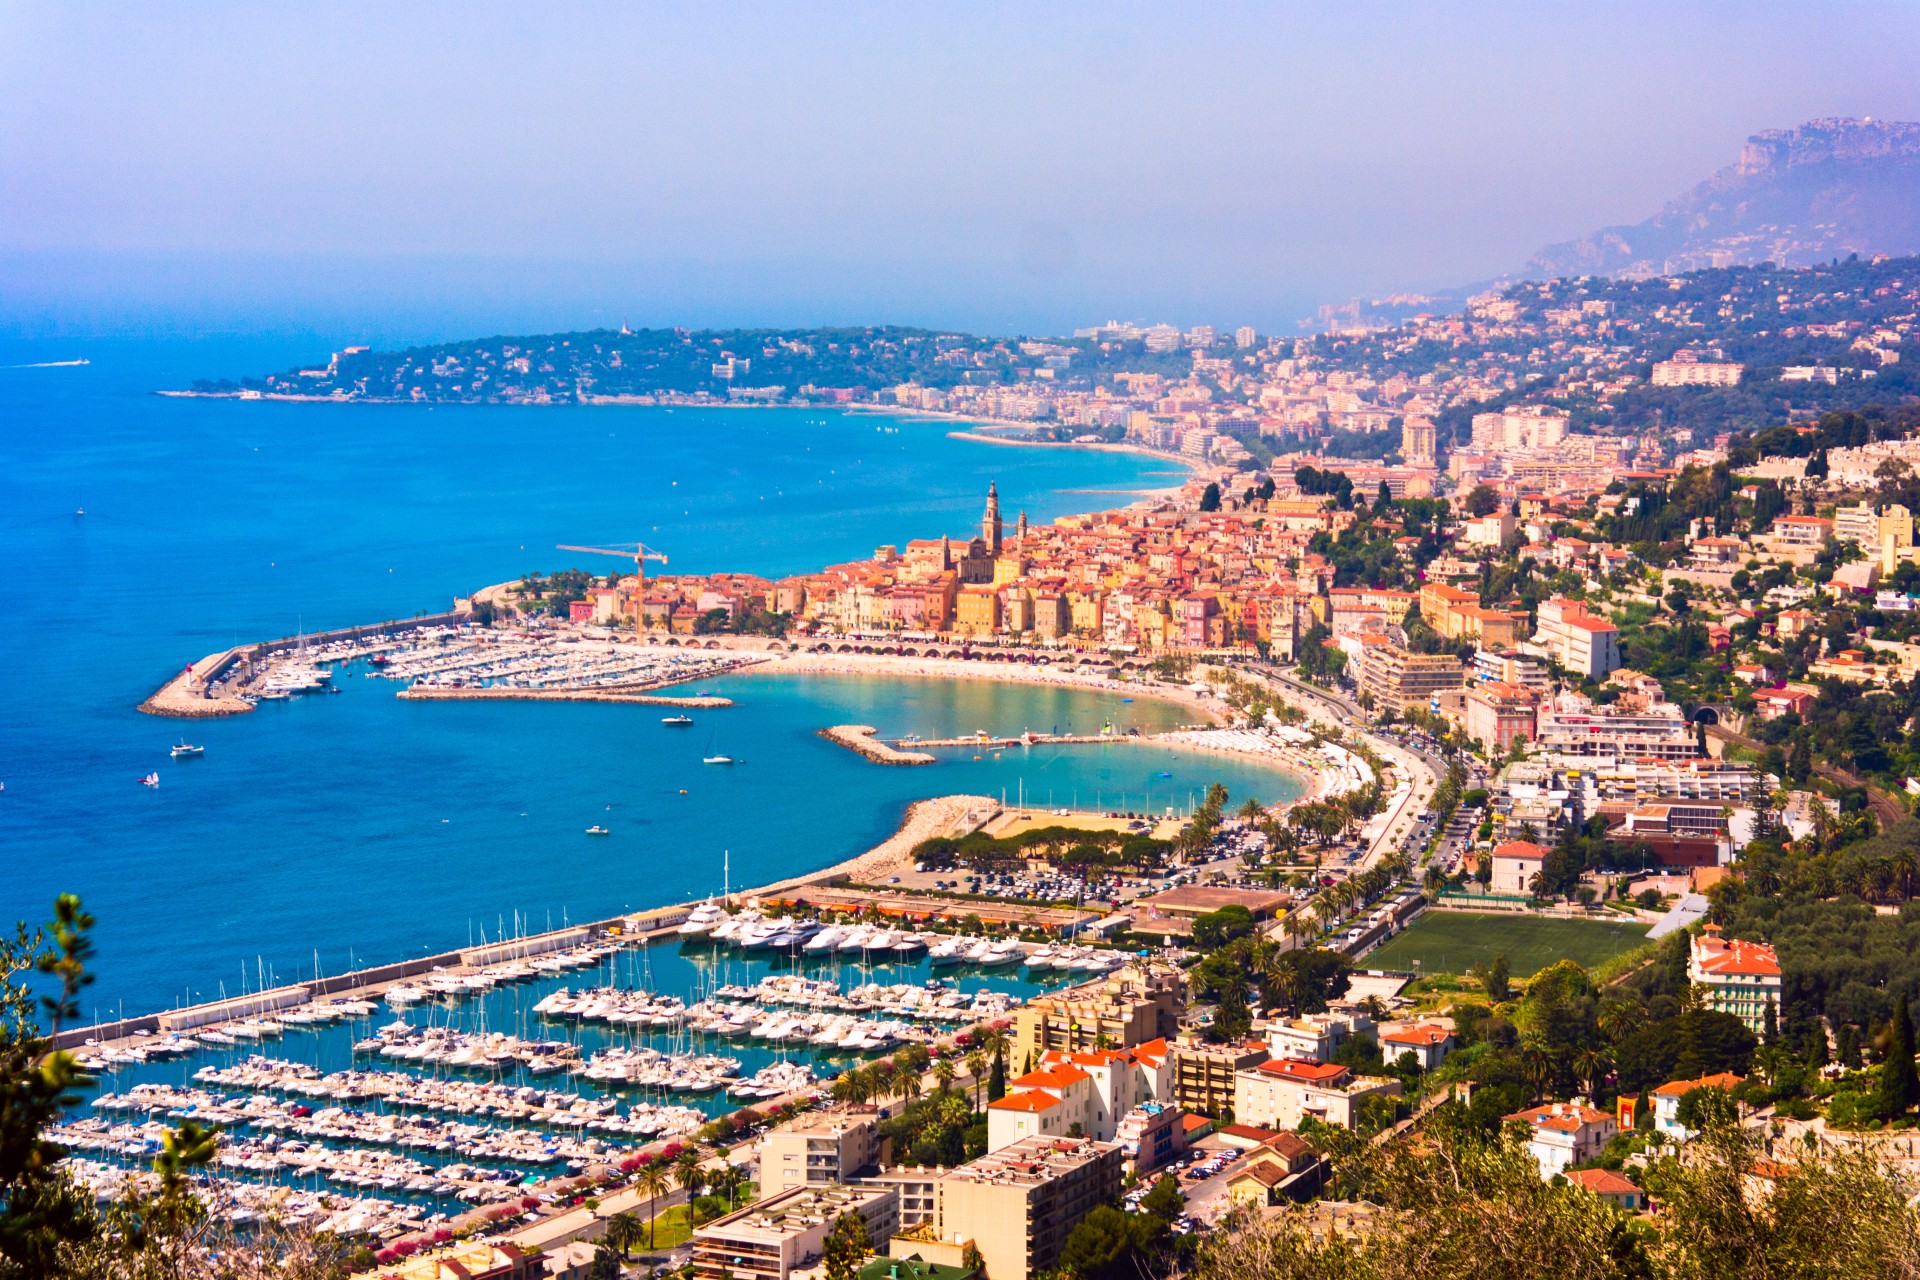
(366, 828)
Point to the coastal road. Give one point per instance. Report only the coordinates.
(1421, 772)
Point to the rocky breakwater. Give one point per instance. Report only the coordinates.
(862, 738)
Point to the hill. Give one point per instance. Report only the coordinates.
(1824, 190)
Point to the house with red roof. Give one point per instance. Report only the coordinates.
(1666, 1101)
(1562, 1134)
(1429, 1043)
(1609, 1186)
(1515, 864)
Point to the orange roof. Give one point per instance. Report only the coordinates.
(1426, 1034)
(1724, 1080)
(1565, 1117)
(1026, 1100)
(1304, 1070)
(1153, 1052)
(1602, 1182)
(1520, 849)
(1056, 1077)
(1746, 959)
(1093, 1058)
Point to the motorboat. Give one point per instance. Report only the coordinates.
(598, 830)
(186, 751)
(677, 722)
(949, 951)
(716, 760)
(151, 780)
(825, 940)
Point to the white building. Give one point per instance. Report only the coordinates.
(1576, 639)
(1740, 978)
(1563, 1134)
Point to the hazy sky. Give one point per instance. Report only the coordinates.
(412, 169)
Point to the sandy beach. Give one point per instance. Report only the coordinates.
(939, 816)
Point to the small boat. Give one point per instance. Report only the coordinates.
(716, 760)
(186, 751)
(678, 722)
(597, 830)
(151, 780)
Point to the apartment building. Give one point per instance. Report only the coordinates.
(1736, 977)
(1396, 678)
(1280, 1093)
(1315, 1037)
(787, 1231)
(820, 1149)
(1572, 725)
(1194, 1075)
(1019, 1204)
(1128, 1007)
(1697, 373)
(1579, 641)
(1498, 713)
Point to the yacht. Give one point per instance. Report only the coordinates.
(597, 830)
(678, 722)
(716, 760)
(949, 951)
(186, 751)
(701, 920)
(826, 940)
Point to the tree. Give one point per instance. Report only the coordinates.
(1210, 498)
(846, 1247)
(997, 1080)
(1165, 1201)
(623, 1232)
(1899, 1089)
(1495, 978)
(1111, 1245)
(605, 1266)
(651, 1179)
(41, 1212)
(1482, 500)
(688, 1173)
(977, 1072)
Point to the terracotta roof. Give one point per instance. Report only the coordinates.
(1026, 1100)
(1426, 1034)
(1520, 849)
(1059, 1076)
(1602, 1182)
(1735, 957)
(1563, 1117)
(1677, 1088)
(1267, 1173)
(1305, 1071)
(1248, 1131)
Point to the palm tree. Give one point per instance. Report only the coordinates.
(623, 1232)
(977, 1072)
(1536, 1066)
(943, 1074)
(1590, 1064)
(907, 1085)
(1434, 882)
(688, 1173)
(651, 1179)
(1252, 811)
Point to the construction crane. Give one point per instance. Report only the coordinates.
(639, 553)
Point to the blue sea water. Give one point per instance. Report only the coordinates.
(364, 828)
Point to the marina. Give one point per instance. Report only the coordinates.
(476, 1084)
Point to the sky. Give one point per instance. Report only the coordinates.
(417, 170)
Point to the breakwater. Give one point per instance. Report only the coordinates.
(862, 739)
(449, 693)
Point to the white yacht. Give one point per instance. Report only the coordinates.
(702, 920)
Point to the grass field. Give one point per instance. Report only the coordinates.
(1456, 941)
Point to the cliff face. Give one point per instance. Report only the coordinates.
(1827, 189)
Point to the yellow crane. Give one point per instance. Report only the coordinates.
(639, 553)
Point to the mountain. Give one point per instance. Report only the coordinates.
(1827, 189)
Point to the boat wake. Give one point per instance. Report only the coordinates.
(48, 364)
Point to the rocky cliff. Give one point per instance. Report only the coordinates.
(1827, 189)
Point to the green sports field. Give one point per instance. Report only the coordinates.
(1456, 941)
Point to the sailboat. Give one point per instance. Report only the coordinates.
(712, 757)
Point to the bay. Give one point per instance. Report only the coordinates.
(367, 829)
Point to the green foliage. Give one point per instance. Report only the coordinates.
(1109, 1244)
(846, 1248)
(1217, 928)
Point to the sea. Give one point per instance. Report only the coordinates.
(139, 532)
